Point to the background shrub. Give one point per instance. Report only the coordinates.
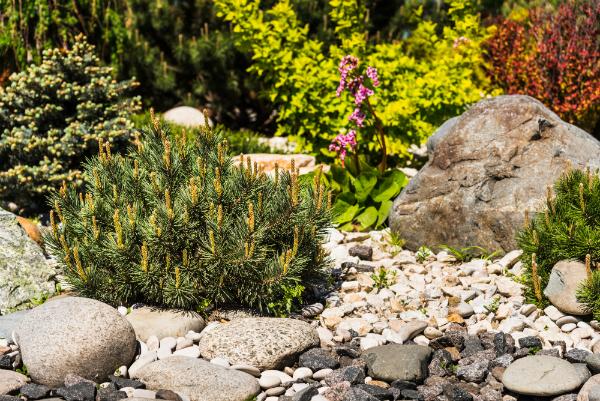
(552, 55)
(175, 224)
(431, 76)
(567, 228)
(52, 116)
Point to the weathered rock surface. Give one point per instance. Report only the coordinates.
(8, 323)
(186, 116)
(541, 376)
(161, 323)
(564, 281)
(198, 379)
(398, 362)
(11, 381)
(24, 270)
(584, 393)
(487, 168)
(266, 343)
(74, 336)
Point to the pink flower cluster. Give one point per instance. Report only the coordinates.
(342, 142)
(354, 82)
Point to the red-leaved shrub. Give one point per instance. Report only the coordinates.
(553, 56)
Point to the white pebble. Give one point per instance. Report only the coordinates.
(143, 393)
(302, 373)
(321, 374)
(153, 343)
(192, 352)
(168, 342)
(163, 352)
(269, 381)
(122, 310)
(568, 327)
(251, 370)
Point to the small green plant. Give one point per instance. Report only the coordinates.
(384, 278)
(52, 117)
(493, 306)
(469, 253)
(284, 306)
(423, 253)
(22, 370)
(175, 224)
(365, 196)
(395, 241)
(567, 228)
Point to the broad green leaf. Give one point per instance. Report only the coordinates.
(364, 184)
(367, 218)
(344, 212)
(383, 213)
(340, 181)
(347, 197)
(385, 190)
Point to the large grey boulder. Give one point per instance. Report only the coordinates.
(487, 168)
(199, 380)
(263, 342)
(565, 279)
(24, 271)
(541, 375)
(74, 335)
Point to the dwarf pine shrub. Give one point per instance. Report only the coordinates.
(176, 224)
(567, 228)
(52, 116)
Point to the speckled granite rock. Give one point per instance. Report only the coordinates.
(24, 271)
(74, 335)
(198, 379)
(162, 323)
(266, 343)
(585, 390)
(11, 381)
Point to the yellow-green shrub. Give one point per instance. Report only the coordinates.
(425, 79)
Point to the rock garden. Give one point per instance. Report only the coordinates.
(429, 231)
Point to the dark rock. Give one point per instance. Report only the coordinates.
(317, 359)
(375, 391)
(359, 268)
(410, 394)
(491, 166)
(521, 353)
(305, 394)
(34, 391)
(452, 338)
(121, 382)
(488, 393)
(352, 374)
(472, 345)
(455, 393)
(487, 355)
(504, 344)
(530, 342)
(350, 352)
(576, 355)
(82, 391)
(432, 388)
(403, 385)
(549, 352)
(441, 363)
(363, 252)
(358, 394)
(398, 362)
(474, 372)
(5, 362)
(9, 398)
(168, 395)
(110, 394)
(502, 360)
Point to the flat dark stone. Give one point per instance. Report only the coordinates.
(34, 391)
(530, 342)
(455, 393)
(83, 391)
(317, 359)
(121, 382)
(357, 394)
(378, 392)
(110, 394)
(576, 355)
(363, 252)
(5, 362)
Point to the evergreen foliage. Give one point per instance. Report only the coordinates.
(52, 116)
(567, 228)
(176, 224)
